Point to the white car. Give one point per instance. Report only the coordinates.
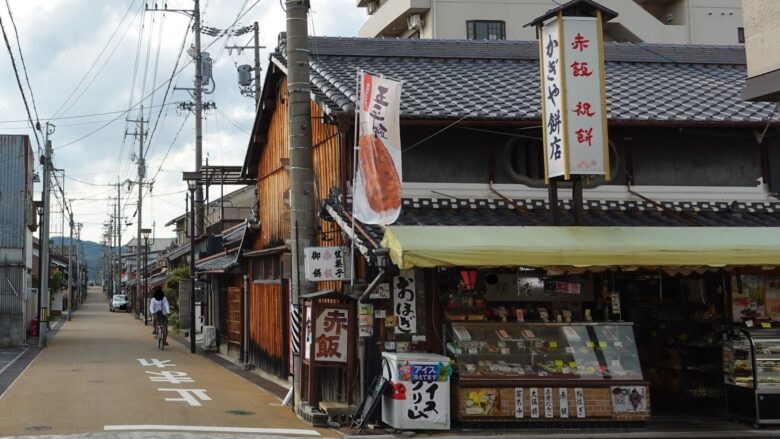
(119, 302)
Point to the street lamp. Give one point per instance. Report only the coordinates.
(145, 233)
(192, 179)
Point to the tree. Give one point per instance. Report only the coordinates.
(171, 290)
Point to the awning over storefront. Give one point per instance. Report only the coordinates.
(541, 246)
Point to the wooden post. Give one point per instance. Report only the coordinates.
(552, 189)
(579, 212)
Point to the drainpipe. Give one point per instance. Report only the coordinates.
(245, 318)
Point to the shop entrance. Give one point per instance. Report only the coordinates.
(679, 323)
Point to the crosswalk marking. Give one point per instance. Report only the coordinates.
(287, 431)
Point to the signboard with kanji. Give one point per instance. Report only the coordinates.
(331, 339)
(325, 263)
(405, 302)
(573, 97)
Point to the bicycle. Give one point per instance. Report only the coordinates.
(160, 334)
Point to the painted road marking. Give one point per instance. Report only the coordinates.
(156, 363)
(10, 362)
(288, 431)
(171, 376)
(188, 396)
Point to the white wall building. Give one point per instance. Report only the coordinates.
(651, 21)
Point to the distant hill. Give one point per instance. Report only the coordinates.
(93, 252)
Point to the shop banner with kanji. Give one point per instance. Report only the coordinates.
(573, 102)
(377, 195)
(331, 341)
(325, 263)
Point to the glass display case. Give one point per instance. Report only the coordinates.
(544, 351)
(751, 367)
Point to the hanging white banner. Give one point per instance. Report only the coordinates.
(377, 196)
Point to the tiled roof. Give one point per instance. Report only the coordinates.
(499, 80)
(220, 264)
(534, 212)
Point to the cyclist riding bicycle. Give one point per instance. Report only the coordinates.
(160, 309)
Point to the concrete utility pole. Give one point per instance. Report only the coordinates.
(197, 92)
(303, 223)
(199, 218)
(256, 46)
(141, 175)
(79, 255)
(118, 240)
(43, 319)
(70, 266)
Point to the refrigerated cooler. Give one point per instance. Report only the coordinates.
(418, 396)
(751, 366)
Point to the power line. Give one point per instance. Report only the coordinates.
(79, 116)
(94, 63)
(21, 57)
(19, 83)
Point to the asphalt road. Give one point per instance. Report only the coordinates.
(102, 373)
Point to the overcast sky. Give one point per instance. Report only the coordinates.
(81, 61)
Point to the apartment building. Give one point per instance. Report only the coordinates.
(650, 21)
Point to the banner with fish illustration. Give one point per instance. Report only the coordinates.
(377, 196)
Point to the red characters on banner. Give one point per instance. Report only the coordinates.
(580, 43)
(583, 109)
(328, 346)
(335, 321)
(584, 135)
(580, 69)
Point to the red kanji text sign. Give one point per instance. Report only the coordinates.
(573, 100)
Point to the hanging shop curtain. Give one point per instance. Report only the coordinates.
(492, 246)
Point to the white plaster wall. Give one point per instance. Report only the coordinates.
(762, 35)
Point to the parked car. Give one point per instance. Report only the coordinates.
(119, 302)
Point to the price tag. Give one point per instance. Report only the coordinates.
(618, 344)
(553, 344)
(573, 364)
(590, 344)
(602, 344)
(472, 350)
(766, 325)
(591, 370)
(505, 351)
(558, 363)
(616, 363)
(569, 350)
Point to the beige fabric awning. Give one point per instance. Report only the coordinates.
(541, 246)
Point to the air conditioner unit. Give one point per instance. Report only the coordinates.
(372, 6)
(414, 22)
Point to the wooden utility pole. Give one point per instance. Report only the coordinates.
(302, 218)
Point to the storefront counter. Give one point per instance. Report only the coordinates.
(547, 371)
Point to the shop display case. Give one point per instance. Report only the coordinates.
(751, 366)
(547, 370)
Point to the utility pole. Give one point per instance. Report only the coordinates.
(303, 223)
(200, 220)
(79, 278)
(245, 90)
(141, 174)
(70, 265)
(43, 319)
(197, 92)
(118, 231)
